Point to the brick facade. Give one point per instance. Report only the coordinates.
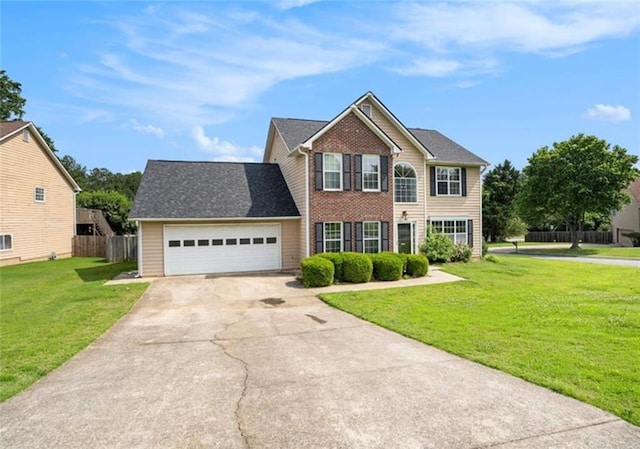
(350, 136)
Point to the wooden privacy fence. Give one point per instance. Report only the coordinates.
(118, 248)
(565, 236)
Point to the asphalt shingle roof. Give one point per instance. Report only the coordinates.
(296, 131)
(9, 127)
(179, 189)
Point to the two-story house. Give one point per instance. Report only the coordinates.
(360, 182)
(37, 197)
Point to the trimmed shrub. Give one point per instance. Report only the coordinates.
(316, 271)
(634, 236)
(437, 247)
(403, 256)
(356, 267)
(387, 266)
(417, 265)
(461, 253)
(337, 260)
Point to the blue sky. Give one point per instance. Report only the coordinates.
(117, 83)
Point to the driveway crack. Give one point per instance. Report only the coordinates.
(245, 380)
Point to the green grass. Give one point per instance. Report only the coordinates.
(51, 310)
(574, 328)
(586, 251)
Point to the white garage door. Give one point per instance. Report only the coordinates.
(221, 248)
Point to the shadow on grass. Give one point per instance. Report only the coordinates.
(559, 252)
(104, 271)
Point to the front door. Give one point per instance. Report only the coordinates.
(405, 238)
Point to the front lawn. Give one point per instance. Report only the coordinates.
(612, 252)
(574, 328)
(51, 310)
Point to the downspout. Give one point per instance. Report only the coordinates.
(306, 202)
(482, 170)
(426, 195)
(139, 225)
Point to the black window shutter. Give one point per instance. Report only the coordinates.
(319, 238)
(346, 172)
(470, 233)
(358, 236)
(384, 173)
(385, 236)
(463, 176)
(432, 175)
(318, 170)
(357, 160)
(346, 236)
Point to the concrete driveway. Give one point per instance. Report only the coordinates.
(258, 362)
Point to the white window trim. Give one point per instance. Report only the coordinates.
(2, 237)
(449, 182)
(324, 235)
(454, 219)
(324, 172)
(364, 156)
(365, 239)
(44, 194)
(367, 110)
(406, 164)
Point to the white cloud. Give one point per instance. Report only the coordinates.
(440, 68)
(147, 129)
(288, 4)
(222, 150)
(607, 113)
(534, 27)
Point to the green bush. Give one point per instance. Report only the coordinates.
(316, 272)
(337, 260)
(461, 253)
(417, 265)
(403, 256)
(357, 267)
(387, 266)
(485, 247)
(634, 236)
(437, 247)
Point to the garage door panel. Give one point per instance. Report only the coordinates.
(221, 249)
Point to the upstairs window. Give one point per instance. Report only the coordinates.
(25, 135)
(39, 195)
(448, 181)
(332, 171)
(370, 172)
(405, 185)
(366, 109)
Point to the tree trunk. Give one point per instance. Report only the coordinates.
(574, 228)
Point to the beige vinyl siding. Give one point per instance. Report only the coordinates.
(461, 206)
(414, 157)
(293, 170)
(626, 220)
(38, 229)
(153, 242)
(152, 249)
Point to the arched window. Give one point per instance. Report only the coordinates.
(405, 184)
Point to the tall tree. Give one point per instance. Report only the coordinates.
(580, 176)
(499, 191)
(77, 171)
(11, 100)
(115, 207)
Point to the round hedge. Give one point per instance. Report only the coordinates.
(337, 259)
(316, 272)
(417, 265)
(357, 267)
(387, 266)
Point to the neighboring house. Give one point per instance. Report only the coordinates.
(92, 222)
(360, 182)
(37, 197)
(627, 219)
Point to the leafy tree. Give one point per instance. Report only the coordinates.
(115, 207)
(499, 191)
(47, 139)
(77, 171)
(11, 100)
(574, 178)
(104, 179)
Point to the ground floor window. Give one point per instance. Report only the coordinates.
(6, 242)
(332, 237)
(455, 229)
(371, 236)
